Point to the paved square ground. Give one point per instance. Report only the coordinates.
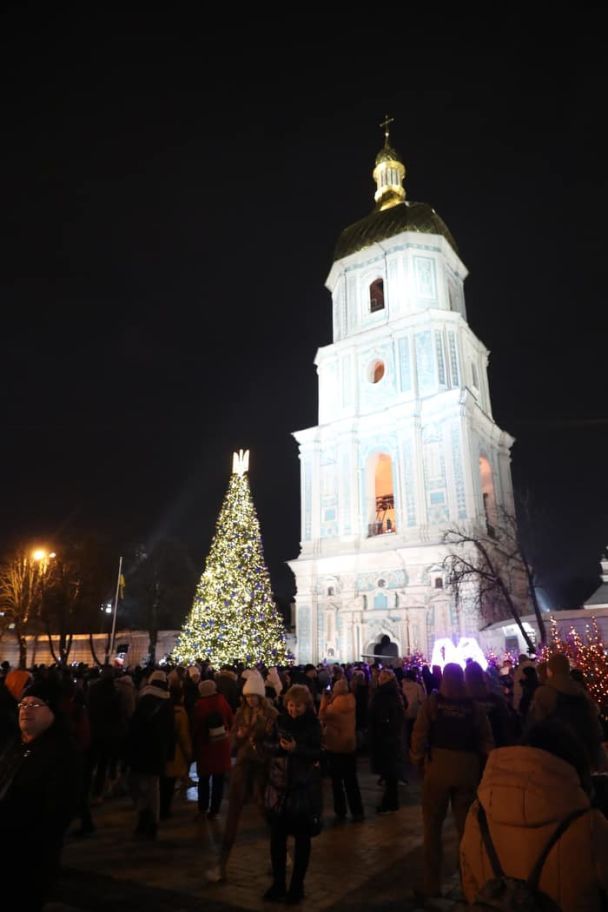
(375, 864)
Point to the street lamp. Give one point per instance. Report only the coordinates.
(42, 557)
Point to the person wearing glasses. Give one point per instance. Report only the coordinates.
(39, 791)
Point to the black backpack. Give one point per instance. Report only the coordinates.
(510, 894)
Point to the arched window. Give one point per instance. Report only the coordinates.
(438, 582)
(376, 295)
(487, 493)
(381, 495)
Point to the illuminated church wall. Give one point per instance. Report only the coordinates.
(406, 445)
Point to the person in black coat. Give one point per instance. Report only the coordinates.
(150, 744)
(40, 774)
(293, 796)
(360, 690)
(386, 719)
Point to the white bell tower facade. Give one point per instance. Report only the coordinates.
(406, 446)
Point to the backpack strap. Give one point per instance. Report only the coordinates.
(487, 841)
(534, 878)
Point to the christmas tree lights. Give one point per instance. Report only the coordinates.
(588, 655)
(593, 662)
(233, 617)
(415, 659)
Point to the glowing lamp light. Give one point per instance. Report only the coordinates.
(40, 555)
(444, 651)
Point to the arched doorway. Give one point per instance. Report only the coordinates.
(386, 649)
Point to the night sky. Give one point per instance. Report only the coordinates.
(172, 191)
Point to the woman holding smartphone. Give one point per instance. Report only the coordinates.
(293, 796)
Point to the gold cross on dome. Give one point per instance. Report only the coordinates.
(385, 125)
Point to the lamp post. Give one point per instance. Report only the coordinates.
(40, 560)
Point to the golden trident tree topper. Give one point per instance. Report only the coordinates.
(240, 462)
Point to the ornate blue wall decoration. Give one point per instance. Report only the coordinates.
(453, 359)
(303, 627)
(440, 358)
(435, 479)
(461, 502)
(426, 286)
(410, 494)
(393, 579)
(307, 498)
(405, 364)
(345, 505)
(425, 362)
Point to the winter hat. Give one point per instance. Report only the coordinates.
(159, 678)
(558, 664)
(254, 684)
(47, 693)
(273, 679)
(207, 688)
(16, 681)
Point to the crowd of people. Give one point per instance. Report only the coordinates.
(517, 754)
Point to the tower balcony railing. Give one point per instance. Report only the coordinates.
(383, 524)
(380, 527)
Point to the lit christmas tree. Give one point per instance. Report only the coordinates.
(233, 617)
(593, 662)
(590, 657)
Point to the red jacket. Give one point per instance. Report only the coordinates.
(212, 757)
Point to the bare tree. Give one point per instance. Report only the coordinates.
(60, 602)
(22, 578)
(80, 578)
(160, 588)
(491, 566)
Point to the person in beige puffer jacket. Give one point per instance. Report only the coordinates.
(337, 714)
(526, 792)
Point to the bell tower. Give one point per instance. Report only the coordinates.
(405, 446)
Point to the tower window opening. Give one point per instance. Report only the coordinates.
(488, 494)
(331, 590)
(382, 506)
(376, 295)
(438, 582)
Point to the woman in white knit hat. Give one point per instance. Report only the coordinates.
(253, 723)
